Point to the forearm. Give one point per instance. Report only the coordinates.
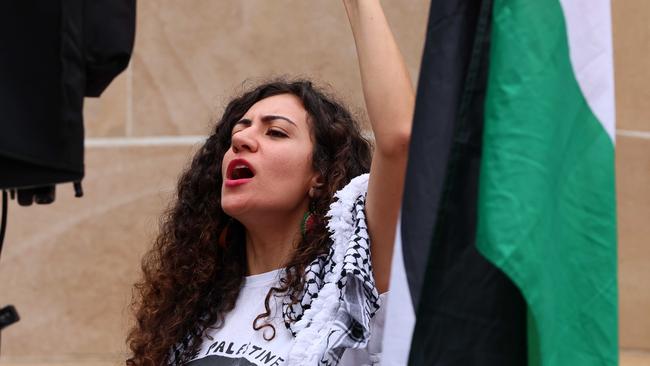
(387, 87)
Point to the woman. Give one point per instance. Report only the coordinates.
(264, 258)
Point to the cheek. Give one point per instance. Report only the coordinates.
(224, 163)
(293, 165)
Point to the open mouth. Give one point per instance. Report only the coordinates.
(241, 172)
(239, 169)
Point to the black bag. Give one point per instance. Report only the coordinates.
(52, 54)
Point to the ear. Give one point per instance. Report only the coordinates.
(316, 183)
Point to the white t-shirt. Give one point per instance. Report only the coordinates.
(238, 344)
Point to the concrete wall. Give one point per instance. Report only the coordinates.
(71, 278)
(632, 50)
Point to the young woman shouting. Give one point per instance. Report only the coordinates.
(279, 243)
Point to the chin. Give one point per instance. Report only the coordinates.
(233, 209)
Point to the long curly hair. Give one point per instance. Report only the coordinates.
(189, 281)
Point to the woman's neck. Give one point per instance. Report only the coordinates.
(269, 245)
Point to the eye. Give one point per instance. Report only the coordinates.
(276, 133)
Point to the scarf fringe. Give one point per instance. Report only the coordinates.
(311, 337)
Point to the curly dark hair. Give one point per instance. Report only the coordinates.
(190, 281)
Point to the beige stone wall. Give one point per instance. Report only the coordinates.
(632, 51)
(71, 278)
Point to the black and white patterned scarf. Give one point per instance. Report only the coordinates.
(340, 293)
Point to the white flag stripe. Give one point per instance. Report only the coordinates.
(400, 313)
(589, 27)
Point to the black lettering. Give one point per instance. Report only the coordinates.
(260, 355)
(220, 347)
(211, 347)
(230, 350)
(277, 362)
(243, 348)
(268, 358)
(255, 349)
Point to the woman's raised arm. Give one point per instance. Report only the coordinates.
(390, 101)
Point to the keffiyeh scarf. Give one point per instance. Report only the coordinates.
(340, 293)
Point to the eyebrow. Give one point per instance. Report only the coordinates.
(267, 119)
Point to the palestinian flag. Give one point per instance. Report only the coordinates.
(506, 253)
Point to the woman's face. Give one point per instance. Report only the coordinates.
(268, 168)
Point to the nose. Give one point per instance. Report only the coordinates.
(244, 140)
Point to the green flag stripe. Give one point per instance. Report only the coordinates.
(547, 201)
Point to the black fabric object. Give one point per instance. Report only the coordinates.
(468, 312)
(109, 30)
(55, 52)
